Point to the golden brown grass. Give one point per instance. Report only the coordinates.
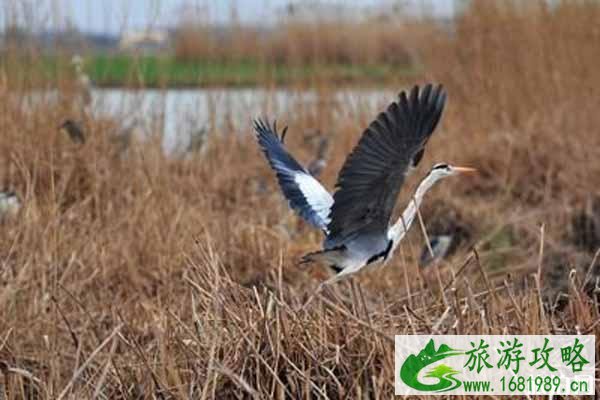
(150, 277)
(294, 41)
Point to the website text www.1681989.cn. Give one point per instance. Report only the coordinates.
(529, 384)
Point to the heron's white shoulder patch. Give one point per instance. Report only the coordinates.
(315, 194)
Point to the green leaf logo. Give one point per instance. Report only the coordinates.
(409, 372)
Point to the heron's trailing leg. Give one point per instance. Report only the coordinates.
(314, 295)
(328, 257)
(321, 286)
(354, 288)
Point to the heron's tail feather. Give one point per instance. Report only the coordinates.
(332, 257)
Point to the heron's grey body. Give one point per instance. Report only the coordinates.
(356, 219)
(372, 248)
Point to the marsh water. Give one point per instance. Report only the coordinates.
(177, 115)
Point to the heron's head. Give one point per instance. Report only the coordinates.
(443, 170)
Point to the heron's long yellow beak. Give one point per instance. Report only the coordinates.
(465, 170)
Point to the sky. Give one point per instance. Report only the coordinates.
(116, 16)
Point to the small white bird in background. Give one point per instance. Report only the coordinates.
(444, 241)
(83, 82)
(440, 246)
(356, 219)
(9, 204)
(198, 139)
(318, 164)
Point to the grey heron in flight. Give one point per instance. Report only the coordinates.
(356, 219)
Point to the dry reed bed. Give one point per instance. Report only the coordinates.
(300, 41)
(148, 277)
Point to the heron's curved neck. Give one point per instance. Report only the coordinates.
(399, 229)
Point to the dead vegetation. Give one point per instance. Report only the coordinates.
(153, 277)
(299, 41)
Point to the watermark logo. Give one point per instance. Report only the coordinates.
(498, 365)
(414, 364)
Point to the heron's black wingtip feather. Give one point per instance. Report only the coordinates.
(266, 132)
(370, 180)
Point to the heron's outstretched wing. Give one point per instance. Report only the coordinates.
(370, 179)
(305, 194)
